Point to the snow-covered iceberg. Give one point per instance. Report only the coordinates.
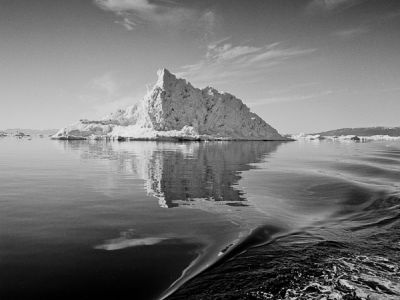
(174, 109)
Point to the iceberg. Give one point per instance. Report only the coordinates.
(175, 110)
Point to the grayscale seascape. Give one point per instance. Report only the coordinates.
(199, 149)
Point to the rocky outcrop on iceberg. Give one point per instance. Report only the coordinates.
(174, 109)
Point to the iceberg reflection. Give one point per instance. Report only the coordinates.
(186, 173)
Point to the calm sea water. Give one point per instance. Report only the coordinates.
(137, 220)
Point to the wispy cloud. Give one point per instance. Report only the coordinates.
(161, 13)
(289, 98)
(295, 93)
(331, 5)
(105, 83)
(207, 22)
(224, 61)
(350, 33)
(107, 93)
(392, 15)
(127, 23)
(100, 107)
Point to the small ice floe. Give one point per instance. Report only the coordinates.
(307, 137)
(20, 134)
(123, 242)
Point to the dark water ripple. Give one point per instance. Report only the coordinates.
(364, 170)
(304, 266)
(382, 160)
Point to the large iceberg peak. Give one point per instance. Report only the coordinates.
(174, 109)
(165, 78)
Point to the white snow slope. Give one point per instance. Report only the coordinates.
(174, 109)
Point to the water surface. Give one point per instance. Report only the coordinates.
(139, 219)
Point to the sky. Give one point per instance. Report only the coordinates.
(302, 65)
